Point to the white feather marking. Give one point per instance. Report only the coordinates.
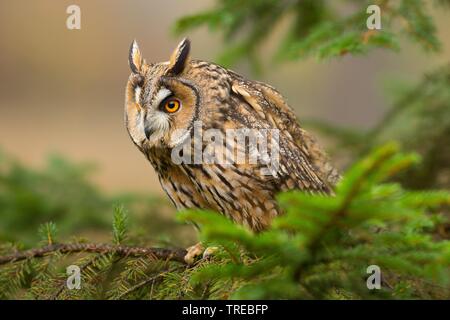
(134, 48)
(158, 121)
(137, 94)
(178, 137)
(159, 124)
(160, 96)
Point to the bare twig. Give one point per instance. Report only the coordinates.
(175, 254)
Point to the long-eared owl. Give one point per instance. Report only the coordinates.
(169, 103)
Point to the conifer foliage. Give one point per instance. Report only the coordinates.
(320, 248)
(317, 28)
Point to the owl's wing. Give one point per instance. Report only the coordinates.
(302, 162)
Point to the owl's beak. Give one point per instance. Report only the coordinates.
(148, 131)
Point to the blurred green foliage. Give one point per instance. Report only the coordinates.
(62, 193)
(319, 249)
(318, 28)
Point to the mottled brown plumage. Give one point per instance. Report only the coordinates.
(220, 99)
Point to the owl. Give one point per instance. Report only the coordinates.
(169, 103)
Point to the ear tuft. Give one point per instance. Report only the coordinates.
(180, 57)
(135, 58)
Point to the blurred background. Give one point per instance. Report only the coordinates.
(62, 92)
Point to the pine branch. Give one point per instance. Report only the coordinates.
(341, 211)
(63, 284)
(150, 280)
(316, 28)
(176, 254)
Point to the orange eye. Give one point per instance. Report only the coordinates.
(172, 105)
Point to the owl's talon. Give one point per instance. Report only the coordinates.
(193, 252)
(209, 252)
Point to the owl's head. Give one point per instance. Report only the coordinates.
(162, 99)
